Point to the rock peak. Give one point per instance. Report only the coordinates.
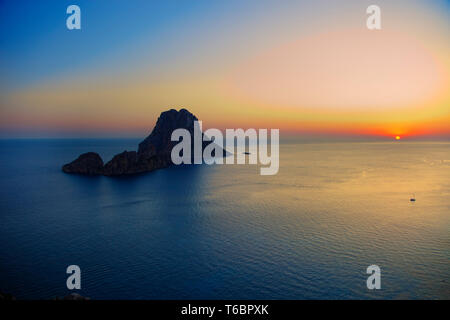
(154, 152)
(159, 139)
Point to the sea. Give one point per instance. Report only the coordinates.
(225, 231)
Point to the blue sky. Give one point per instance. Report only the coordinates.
(233, 63)
(36, 44)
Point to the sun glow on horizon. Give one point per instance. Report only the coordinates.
(325, 74)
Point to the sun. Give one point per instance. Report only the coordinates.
(397, 138)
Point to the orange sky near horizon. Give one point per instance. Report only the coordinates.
(332, 77)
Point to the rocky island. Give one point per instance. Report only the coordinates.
(154, 152)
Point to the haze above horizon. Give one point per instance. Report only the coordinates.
(310, 69)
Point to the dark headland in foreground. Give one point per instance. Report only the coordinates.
(154, 152)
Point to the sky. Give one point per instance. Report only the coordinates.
(305, 67)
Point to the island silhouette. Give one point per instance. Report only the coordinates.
(154, 152)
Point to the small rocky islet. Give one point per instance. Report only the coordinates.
(154, 152)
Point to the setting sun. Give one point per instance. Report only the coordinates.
(397, 138)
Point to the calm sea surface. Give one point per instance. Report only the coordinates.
(225, 232)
